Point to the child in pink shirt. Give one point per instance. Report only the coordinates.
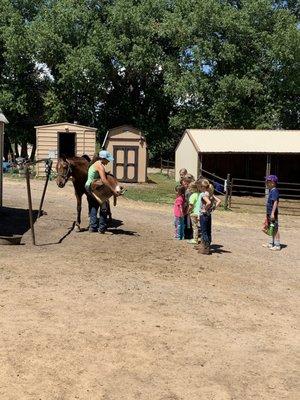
(179, 212)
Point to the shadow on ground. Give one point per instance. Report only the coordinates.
(218, 249)
(15, 221)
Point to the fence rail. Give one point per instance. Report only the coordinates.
(167, 165)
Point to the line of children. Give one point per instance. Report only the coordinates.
(196, 210)
(196, 201)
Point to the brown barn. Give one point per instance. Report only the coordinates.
(55, 140)
(129, 149)
(249, 154)
(3, 121)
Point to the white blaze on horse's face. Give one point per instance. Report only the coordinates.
(63, 171)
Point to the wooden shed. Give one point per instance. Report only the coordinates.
(56, 140)
(129, 149)
(3, 121)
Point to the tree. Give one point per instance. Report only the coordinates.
(21, 83)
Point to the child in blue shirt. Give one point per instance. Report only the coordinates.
(272, 212)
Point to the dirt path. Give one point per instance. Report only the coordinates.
(138, 315)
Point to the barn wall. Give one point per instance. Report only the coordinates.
(186, 156)
(47, 140)
(253, 166)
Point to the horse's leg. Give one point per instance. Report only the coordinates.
(79, 202)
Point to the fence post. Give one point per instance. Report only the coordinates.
(230, 193)
(161, 165)
(227, 192)
(48, 167)
(27, 174)
(168, 168)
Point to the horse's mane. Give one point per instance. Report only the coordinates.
(78, 160)
(86, 157)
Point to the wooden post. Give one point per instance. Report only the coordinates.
(161, 165)
(227, 192)
(49, 166)
(230, 193)
(268, 171)
(27, 173)
(200, 166)
(168, 167)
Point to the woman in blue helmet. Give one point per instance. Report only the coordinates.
(97, 171)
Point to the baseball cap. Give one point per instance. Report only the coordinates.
(272, 178)
(106, 154)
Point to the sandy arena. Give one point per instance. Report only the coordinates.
(138, 315)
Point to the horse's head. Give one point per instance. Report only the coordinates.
(115, 184)
(64, 171)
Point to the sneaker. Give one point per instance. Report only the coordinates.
(192, 241)
(267, 245)
(275, 248)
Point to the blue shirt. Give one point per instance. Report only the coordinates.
(273, 196)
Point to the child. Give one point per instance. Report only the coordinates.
(182, 173)
(185, 182)
(194, 209)
(272, 212)
(179, 212)
(209, 202)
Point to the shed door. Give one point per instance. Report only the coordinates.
(126, 163)
(66, 144)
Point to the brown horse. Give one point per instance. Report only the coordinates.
(77, 168)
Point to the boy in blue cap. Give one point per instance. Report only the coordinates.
(272, 212)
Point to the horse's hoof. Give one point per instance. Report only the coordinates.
(77, 228)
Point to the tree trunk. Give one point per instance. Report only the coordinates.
(32, 155)
(24, 150)
(7, 147)
(16, 150)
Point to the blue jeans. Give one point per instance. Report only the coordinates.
(205, 224)
(97, 224)
(179, 227)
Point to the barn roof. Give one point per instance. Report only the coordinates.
(69, 124)
(245, 141)
(2, 117)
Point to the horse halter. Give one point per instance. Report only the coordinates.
(67, 174)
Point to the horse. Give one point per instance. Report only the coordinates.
(77, 168)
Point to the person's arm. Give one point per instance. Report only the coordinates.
(218, 201)
(275, 205)
(207, 202)
(190, 209)
(191, 204)
(100, 168)
(275, 198)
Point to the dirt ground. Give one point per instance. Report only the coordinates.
(138, 315)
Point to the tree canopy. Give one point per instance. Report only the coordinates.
(160, 65)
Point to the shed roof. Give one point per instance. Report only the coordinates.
(2, 117)
(69, 124)
(245, 141)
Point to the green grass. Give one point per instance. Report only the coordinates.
(160, 190)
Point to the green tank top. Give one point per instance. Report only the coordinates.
(92, 175)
